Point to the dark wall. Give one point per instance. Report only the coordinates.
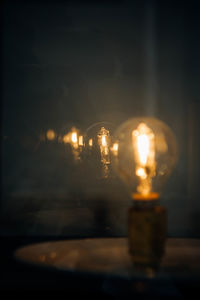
(65, 65)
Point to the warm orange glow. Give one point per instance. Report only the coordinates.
(148, 197)
(90, 142)
(66, 138)
(144, 151)
(115, 146)
(71, 137)
(104, 142)
(80, 140)
(50, 134)
(114, 149)
(74, 137)
(143, 148)
(141, 173)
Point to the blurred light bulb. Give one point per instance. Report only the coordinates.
(145, 155)
(97, 146)
(66, 139)
(75, 140)
(80, 141)
(50, 135)
(90, 143)
(104, 142)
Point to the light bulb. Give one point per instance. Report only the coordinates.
(75, 140)
(80, 141)
(98, 139)
(144, 154)
(51, 135)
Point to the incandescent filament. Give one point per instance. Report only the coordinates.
(143, 140)
(75, 141)
(104, 143)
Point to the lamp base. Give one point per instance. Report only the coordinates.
(147, 227)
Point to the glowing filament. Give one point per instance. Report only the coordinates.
(75, 141)
(141, 173)
(80, 140)
(104, 141)
(74, 137)
(143, 148)
(71, 138)
(144, 152)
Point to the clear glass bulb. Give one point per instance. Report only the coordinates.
(144, 154)
(97, 142)
(73, 138)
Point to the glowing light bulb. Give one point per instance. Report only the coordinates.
(66, 139)
(50, 135)
(75, 140)
(97, 147)
(74, 137)
(90, 142)
(80, 141)
(143, 140)
(104, 142)
(145, 156)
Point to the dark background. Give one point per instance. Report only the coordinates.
(77, 63)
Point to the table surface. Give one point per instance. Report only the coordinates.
(109, 256)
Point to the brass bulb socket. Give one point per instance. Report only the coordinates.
(147, 230)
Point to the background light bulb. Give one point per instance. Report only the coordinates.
(75, 140)
(98, 139)
(51, 135)
(144, 154)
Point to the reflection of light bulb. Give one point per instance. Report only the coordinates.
(145, 156)
(75, 140)
(114, 149)
(104, 142)
(66, 139)
(90, 143)
(97, 147)
(72, 138)
(80, 141)
(50, 134)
